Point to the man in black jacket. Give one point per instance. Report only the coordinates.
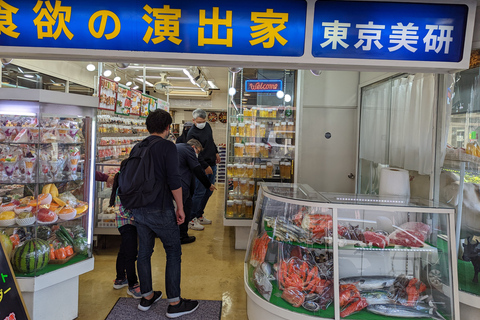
(188, 164)
(209, 158)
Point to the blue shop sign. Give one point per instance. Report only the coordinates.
(263, 85)
(250, 27)
(389, 30)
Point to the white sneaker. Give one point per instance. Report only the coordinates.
(195, 225)
(204, 220)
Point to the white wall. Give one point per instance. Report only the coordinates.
(328, 104)
(61, 69)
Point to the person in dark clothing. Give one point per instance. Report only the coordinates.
(103, 177)
(127, 254)
(202, 132)
(183, 137)
(188, 164)
(160, 219)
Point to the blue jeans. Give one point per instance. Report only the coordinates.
(152, 223)
(201, 195)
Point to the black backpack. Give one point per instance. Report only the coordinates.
(137, 186)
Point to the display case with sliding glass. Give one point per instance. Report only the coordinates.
(47, 140)
(390, 257)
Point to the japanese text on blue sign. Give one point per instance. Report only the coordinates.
(251, 28)
(393, 31)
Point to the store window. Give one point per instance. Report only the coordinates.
(79, 89)
(396, 130)
(14, 76)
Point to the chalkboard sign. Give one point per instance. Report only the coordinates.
(11, 301)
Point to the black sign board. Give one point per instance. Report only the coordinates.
(11, 301)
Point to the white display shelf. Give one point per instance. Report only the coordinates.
(54, 295)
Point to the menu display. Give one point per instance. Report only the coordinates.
(12, 306)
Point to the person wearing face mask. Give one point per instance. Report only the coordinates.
(208, 159)
(188, 164)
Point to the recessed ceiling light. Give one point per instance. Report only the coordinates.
(280, 94)
(90, 67)
(232, 91)
(135, 88)
(117, 79)
(288, 98)
(129, 83)
(107, 73)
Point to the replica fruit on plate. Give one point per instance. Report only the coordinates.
(81, 207)
(212, 116)
(7, 215)
(43, 199)
(22, 208)
(46, 215)
(222, 117)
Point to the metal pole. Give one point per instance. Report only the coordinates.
(460, 206)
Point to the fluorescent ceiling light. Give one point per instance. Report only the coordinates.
(19, 69)
(157, 68)
(146, 82)
(183, 88)
(29, 75)
(29, 79)
(117, 78)
(107, 73)
(197, 93)
(212, 85)
(90, 67)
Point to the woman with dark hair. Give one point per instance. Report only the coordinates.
(127, 254)
(183, 137)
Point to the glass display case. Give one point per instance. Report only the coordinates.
(459, 172)
(261, 136)
(390, 257)
(47, 140)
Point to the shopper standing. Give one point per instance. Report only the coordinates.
(127, 254)
(183, 137)
(188, 164)
(159, 219)
(202, 131)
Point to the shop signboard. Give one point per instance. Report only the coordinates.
(252, 27)
(389, 30)
(107, 94)
(11, 301)
(407, 35)
(263, 85)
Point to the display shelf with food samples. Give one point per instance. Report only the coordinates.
(460, 173)
(383, 261)
(47, 143)
(261, 142)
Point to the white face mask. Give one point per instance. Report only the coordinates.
(200, 125)
(196, 154)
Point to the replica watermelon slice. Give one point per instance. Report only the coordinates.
(32, 256)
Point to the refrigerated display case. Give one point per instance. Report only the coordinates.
(47, 145)
(261, 141)
(459, 173)
(388, 258)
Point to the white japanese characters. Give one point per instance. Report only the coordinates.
(438, 37)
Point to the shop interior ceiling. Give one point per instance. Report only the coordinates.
(181, 82)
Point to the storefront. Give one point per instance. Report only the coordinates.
(304, 35)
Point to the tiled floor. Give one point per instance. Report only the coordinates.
(211, 270)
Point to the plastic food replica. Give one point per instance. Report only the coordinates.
(292, 259)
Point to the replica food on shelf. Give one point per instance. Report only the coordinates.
(118, 135)
(41, 183)
(290, 262)
(261, 148)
